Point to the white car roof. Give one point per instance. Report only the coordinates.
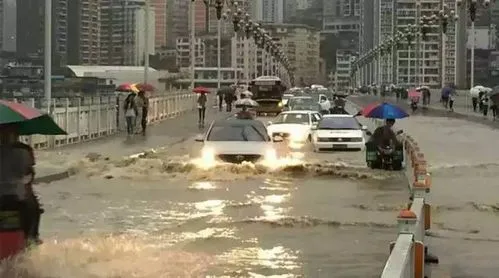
(299, 112)
(337, 116)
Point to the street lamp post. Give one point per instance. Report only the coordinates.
(409, 36)
(146, 42)
(47, 71)
(425, 24)
(219, 5)
(192, 41)
(445, 16)
(248, 27)
(472, 8)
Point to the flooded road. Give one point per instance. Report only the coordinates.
(160, 216)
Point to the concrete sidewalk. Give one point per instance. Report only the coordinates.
(54, 164)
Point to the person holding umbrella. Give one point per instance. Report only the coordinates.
(131, 112)
(17, 167)
(143, 103)
(202, 100)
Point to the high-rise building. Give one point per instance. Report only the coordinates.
(8, 32)
(161, 19)
(123, 32)
(301, 44)
(83, 32)
(341, 15)
(267, 10)
(30, 23)
(177, 20)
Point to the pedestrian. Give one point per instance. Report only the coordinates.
(143, 101)
(446, 91)
(220, 95)
(16, 179)
(131, 112)
(451, 102)
(480, 98)
(474, 102)
(493, 108)
(202, 99)
(229, 97)
(485, 105)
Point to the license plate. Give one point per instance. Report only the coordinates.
(339, 146)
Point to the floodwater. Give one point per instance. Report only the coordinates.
(160, 216)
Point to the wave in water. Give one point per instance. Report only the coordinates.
(307, 221)
(151, 166)
(112, 256)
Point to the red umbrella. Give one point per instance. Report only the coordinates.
(201, 90)
(366, 110)
(127, 87)
(415, 94)
(145, 87)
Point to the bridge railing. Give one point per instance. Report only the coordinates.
(89, 118)
(409, 251)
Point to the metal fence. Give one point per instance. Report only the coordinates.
(87, 118)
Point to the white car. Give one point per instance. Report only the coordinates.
(285, 98)
(234, 140)
(338, 132)
(294, 125)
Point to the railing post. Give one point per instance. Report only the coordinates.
(407, 223)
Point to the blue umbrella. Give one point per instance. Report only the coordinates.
(386, 111)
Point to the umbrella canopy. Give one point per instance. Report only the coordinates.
(246, 102)
(384, 111)
(247, 93)
(475, 91)
(27, 120)
(368, 109)
(415, 94)
(127, 87)
(144, 87)
(201, 90)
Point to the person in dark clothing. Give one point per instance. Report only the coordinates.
(220, 95)
(384, 135)
(229, 97)
(145, 110)
(202, 99)
(474, 102)
(131, 112)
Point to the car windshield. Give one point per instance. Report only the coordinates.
(339, 123)
(301, 101)
(236, 133)
(293, 118)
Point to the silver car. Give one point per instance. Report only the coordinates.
(234, 141)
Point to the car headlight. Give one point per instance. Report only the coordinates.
(208, 156)
(270, 155)
(297, 136)
(280, 104)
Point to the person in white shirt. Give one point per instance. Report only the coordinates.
(325, 106)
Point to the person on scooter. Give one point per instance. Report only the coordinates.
(385, 136)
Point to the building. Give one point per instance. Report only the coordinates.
(184, 53)
(268, 10)
(161, 20)
(301, 44)
(177, 20)
(83, 36)
(8, 32)
(341, 16)
(344, 60)
(30, 29)
(123, 32)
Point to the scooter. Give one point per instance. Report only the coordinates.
(12, 238)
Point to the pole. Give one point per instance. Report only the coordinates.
(246, 60)
(219, 54)
(409, 65)
(442, 78)
(47, 74)
(146, 43)
(235, 50)
(421, 80)
(472, 72)
(193, 43)
(255, 63)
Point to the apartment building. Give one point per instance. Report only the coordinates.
(341, 15)
(344, 60)
(8, 25)
(183, 49)
(123, 32)
(271, 11)
(161, 20)
(177, 20)
(83, 32)
(301, 44)
(30, 23)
